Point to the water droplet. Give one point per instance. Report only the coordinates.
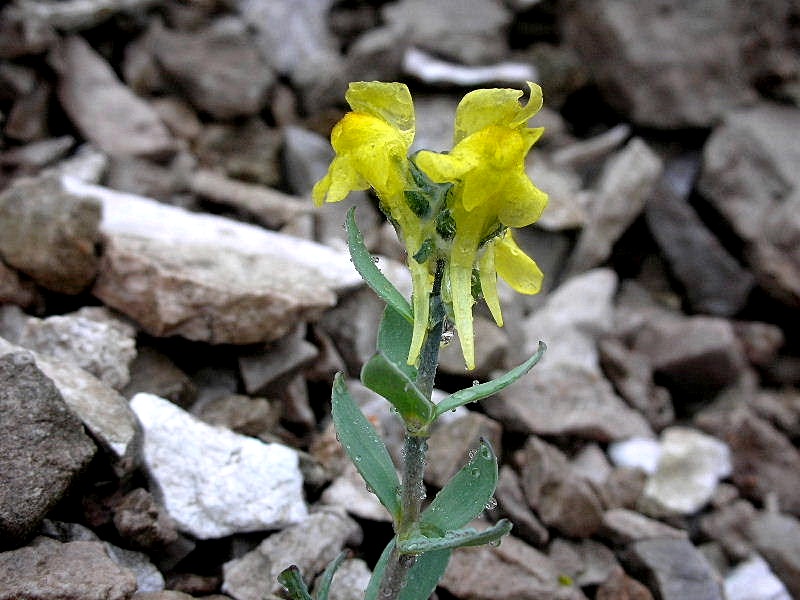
(475, 382)
(475, 472)
(452, 411)
(486, 453)
(472, 453)
(494, 543)
(491, 504)
(369, 489)
(357, 458)
(375, 259)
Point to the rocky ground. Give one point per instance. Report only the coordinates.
(173, 310)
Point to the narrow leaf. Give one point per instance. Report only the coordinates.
(459, 538)
(292, 580)
(365, 447)
(422, 578)
(324, 584)
(484, 390)
(464, 496)
(377, 573)
(362, 259)
(394, 340)
(393, 382)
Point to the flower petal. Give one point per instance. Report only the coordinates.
(483, 108)
(340, 180)
(461, 291)
(422, 285)
(517, 268)
(390, 102)
(488, 276)
(522, 202)
(444, 167)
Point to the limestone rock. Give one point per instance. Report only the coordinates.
(777, 538)
(622, 526)
(753, 580)
(350, 580)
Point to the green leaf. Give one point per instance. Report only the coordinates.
(292, 580)
(459, 538)
(366, 267)
(394, 340)
(392, 381)
(423, 576)
(365, 447)
(484, 390)
(324, 584)
(464, 496)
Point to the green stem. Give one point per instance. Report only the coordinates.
(414, 448)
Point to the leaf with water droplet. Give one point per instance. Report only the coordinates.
(465, 495)
(425, 573)
(460, 538)
(291, 579)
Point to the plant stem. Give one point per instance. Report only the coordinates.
(414, 448)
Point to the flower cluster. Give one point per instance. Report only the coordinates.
(455, 207)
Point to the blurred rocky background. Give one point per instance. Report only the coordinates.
(173, 309)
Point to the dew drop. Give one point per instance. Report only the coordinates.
(472, 454)
(475, 472)
(357, 458)
(475, 382)
(491, 504)
(494, 543)
(486, 453)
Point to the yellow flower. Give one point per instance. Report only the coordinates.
(371, 145)
(492, 192)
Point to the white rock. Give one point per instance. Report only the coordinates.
(214, 482)
(638, 453)
(433, 70)
(691, 465)
(753, 580)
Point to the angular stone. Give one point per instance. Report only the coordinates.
(780, 407)
(50, 234)
(105, 111)
(622, 488)
(217, 67)
(154, 373)
(567, 201)
(209, 278)
(750, 177)
(142, 522)
(512, 504)
(43, 446)
(675, 64)
(689, 468)
(426, 67)
(255, 417)
(278, 361)
(753, 580)
(622, 526)
(103, 411)
(310, 545)
(148, 577)
(213, 482)
(84, 570)
(620, 586)
(75, 14)
(21, 35)
(491, 346)
(777, 538)
(674, 569)
(586, 562)
(14, 289)
(714, 281)
(90, 338)
(625, 185)
(729, 526)
(350, 580)
(349, 492)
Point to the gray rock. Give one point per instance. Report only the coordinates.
(213, 482)
(511, 503)
(43, 446)
(471, 32)
(624, 187)
(714, 281)
(619, 585)
(279, 360)
(105, 111)
(311, 545)
(622, 488)
(50, 234)
(750, 176)
(673, 568)
(689, 468)
(78, 14)
(142, 522)
(568, 202)
(622, 526)
(209, 278)
(90, 338)
(350, 580)
(431, 70)
(27, 119)
(586, 562)
(84, 571)
(20, 35)
(729, 526)
(671, 65)
(353, 325)
(512, 570)
(753, 580)
(16, 290)
(765, 462)
(255, 417)
(153, 372)
(561, 498)
(760, 341)
(781, 407)
(777, 538)
(349, 492)
(148, 577)
(103, 411)
(217, 67)
(579, 154)
(491, 347)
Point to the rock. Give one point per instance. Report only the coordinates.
(511, 570)
(103, 411)
(622, 526)
(674, 65)
(586, 562)
(43, 445)
(590, 463)
(20, 35)
(431, 70)
(27, 118)
(75, 15)
(470, 33)
(750, 177)
(249, 416)
(148, 577)
(561, 498)
(512, 504)
(15, 289)
(673, 568)
(695, 357)
(216, 67)
(567, 202)
(270, 207)
(154, 373)
(142, 522)
(714, 282)
(178, 116)
(577, 154)
(625, 185)
(782, 408)
(350, 580)
(565, 399)
(349, 492)
(105, 111)
(619, 586)
(765, 462)
(209, 278)
(491, 346)
(213, 482)
(311, 545)
(353, 325)
(84, 570)
(632, 376)
(760, 341)
(451, 442)
(248, 151)
(690, 466)
(729, 527)
(164, 595)
(280, 360)
(41, 220)
(777, 538)
(638, 453)
(90, 338)
(753, 580)
(623, 487)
